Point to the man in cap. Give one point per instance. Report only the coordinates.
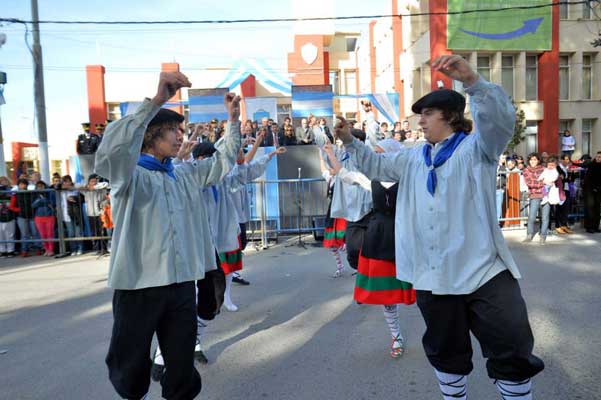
(86, 142)
(452, 249)
(156, 256)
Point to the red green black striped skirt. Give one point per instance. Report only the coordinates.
(231, 261)
(376, 283)
(334, 235)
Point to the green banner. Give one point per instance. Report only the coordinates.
(528, 29)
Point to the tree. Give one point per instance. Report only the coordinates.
(519, 128)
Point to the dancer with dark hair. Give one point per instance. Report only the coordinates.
(448, 241)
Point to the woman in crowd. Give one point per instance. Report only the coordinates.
(568, 143)
(376, 281)
(44, 217)
(531, 175)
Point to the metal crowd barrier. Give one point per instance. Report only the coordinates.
(277, 207)
(77, 220)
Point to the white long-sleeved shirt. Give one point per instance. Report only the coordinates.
(225, 201)
(452, 243)
(159, 223)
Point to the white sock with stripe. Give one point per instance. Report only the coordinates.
(201, 325)
(392, 319)
(338, 259)
(509, 390)
(452, 386)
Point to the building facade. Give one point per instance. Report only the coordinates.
(558, 88)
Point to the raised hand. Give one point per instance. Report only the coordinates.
(342, 130)
(186, 149)
(169, 84)
(232, 104)
(457, 68)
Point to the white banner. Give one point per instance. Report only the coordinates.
(259, 107)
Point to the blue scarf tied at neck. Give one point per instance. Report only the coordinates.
(150, 163)
(445, 152)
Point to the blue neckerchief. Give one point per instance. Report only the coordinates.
(152, 164)
(215, 193)
(445, 152)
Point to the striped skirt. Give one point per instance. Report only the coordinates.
(377, 284)
(334, 235)
(231, 261)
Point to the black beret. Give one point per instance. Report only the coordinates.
(358, 133)
(204, 149)
(442, 99)
(166, 115)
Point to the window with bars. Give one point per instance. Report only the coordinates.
(587, 77)
(507, 74)
(564, 77)
(531, 77)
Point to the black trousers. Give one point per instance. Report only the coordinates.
(96, 230)
(496, 315)
(243, 238)
(562, 210)
(170, 311)
(210, 293)
(592, 209)
(353, 237)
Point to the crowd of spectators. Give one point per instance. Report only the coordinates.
(29, 212)
(551, 186)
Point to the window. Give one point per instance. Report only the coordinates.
(564, 77)
(531, 77)
(458, 85)
(507, 74)
(284, 110)
(56, 166)
(351, 44)
(587, 77)
(531, 134)
(564, 124)
(335, 81)
(484, 67)
(586, 10)
(350, 82)
(587, 129)
(563, 10)
(417, 83)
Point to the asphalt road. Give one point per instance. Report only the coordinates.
(298, 333)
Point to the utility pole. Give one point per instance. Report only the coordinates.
(40, 102)
(2, 160)
(3, 81)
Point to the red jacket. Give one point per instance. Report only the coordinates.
(535, 187)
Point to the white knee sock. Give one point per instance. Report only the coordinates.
(338, 259)
(392, 319)
(201, 325)
(227, 300)
(515, 390)
(452, 386)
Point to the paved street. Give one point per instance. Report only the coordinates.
(298, 334)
